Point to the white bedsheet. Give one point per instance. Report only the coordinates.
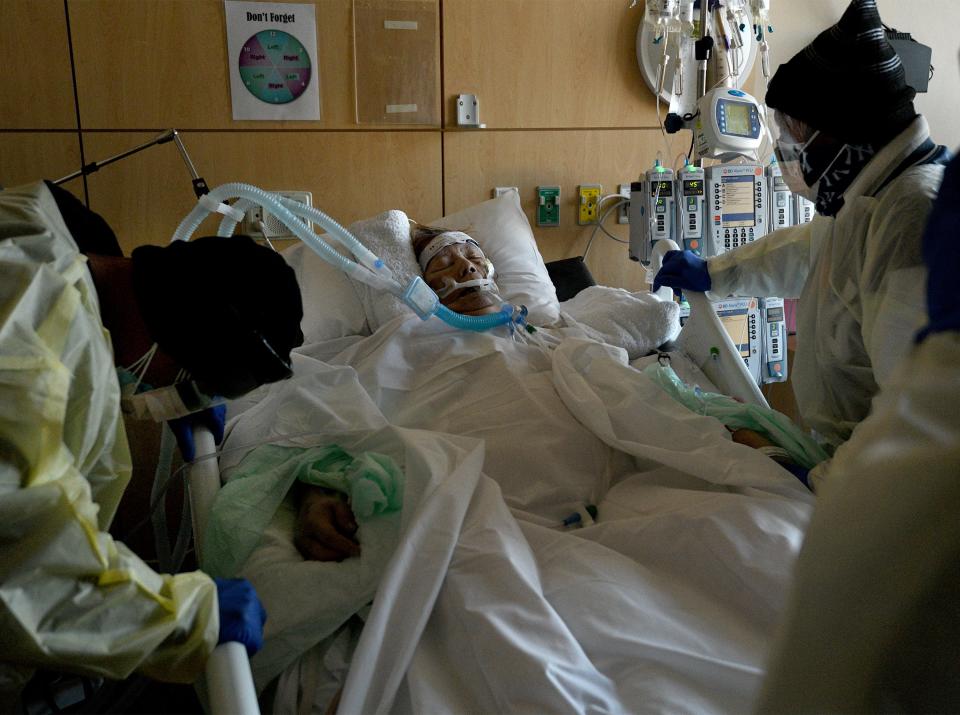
(667, 604)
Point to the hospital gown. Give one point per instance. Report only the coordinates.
(860, 279)
(71, 597)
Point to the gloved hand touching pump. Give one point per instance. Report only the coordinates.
(683, 270)
(241, 614)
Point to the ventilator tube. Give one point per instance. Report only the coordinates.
(367, 268)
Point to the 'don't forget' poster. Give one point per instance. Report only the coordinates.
(272, 57)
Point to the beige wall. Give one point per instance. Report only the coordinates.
(559, 90)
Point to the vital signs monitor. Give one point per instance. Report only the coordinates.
(728, 125)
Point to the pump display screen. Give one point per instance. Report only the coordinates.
(736, 119)
(774, 314)
(736, 327)
(693, 187)
(737, 209)
(661, 188)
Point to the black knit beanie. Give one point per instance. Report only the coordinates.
(849, 82)
(226, 309)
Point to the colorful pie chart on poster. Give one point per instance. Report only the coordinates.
(274, 66)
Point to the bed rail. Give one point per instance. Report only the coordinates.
(229, 681)
(705, 341)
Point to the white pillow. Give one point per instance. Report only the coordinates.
(503, 232)
(331, 306)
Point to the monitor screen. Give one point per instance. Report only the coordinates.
(737, 116)
(661, 188)
(737, 207)
(693, 187)
(774, 314)
(736, 327)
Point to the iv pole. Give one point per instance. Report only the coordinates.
(703, 48)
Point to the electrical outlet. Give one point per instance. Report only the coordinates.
(623, 212)
(499, 191)
(258, 221)
(589, 201)
(548, 206)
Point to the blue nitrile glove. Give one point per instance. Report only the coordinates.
(684, 270)
(241, 613)
(212, 418)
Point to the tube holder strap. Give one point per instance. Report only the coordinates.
(211, 204)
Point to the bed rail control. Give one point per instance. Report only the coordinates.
(229, 681)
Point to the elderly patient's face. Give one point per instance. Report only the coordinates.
(461, 262)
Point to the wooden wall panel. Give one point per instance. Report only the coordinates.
(476, 161)
(546, 63)
(352, 175)
(31, 156)
(163, 63)
(37, 89)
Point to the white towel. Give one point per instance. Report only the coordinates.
(388, 237)
(637, 322)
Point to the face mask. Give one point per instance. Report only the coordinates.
(790, 156)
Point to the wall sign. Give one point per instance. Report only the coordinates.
(272, 50)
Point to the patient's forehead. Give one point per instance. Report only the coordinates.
(470, 249)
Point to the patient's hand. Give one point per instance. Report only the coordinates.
(750, 438)
(326, 529)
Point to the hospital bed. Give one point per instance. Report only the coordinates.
(703, 341)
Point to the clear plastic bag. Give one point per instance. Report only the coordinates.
(773, 425)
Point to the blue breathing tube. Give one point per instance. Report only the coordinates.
(365, 266)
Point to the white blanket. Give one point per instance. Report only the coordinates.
(666, 604)
(637, 322)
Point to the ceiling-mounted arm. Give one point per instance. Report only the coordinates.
(199, 184)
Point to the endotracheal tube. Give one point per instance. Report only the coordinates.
(364, 267)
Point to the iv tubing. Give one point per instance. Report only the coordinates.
(371, 270)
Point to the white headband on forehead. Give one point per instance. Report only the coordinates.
(437, 244)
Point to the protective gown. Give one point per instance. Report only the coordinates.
(874, 618)
(880, 567)
(860, 279)
(71, 598)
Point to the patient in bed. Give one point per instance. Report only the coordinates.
(457, 269)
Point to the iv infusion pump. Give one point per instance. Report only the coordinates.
(652, 212)
(803, 210)
(758, 329)
(781, 199)
(711, 210)
(691, 199)
(736, 205)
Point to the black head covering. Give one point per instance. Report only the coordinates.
(226, 309)
(849, 82)
(88, 228)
